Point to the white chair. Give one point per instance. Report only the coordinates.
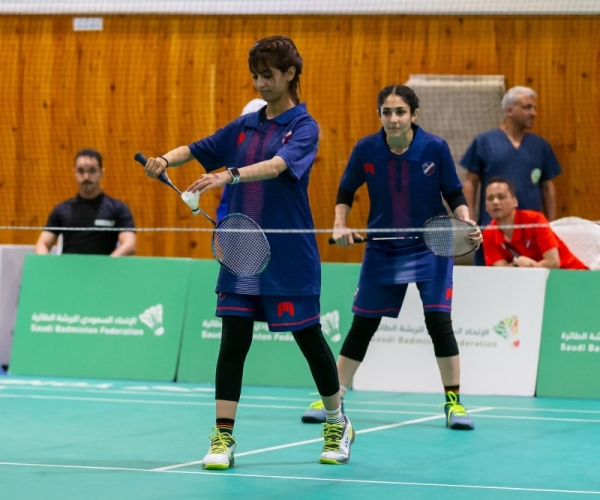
(582, 237)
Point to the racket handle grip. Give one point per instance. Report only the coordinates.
(356, 240)
(140, 158)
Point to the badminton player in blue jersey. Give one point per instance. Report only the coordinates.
(269, 155)
(407, 172)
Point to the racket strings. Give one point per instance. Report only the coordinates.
(448, 236)
(240, 246)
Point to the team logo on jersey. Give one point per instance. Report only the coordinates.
(448, 293)
(536, 175)
(369, 168)
(286, 138)
(241, 138)
(428, 168)
(285, 307)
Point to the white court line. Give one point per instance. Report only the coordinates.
(316, 479)
(545, 419)
(284, 407)
(206, 393)
(310, 441)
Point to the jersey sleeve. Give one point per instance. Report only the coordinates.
(123, 216)
(354, 173)
(300, 150)
(471, 160)
(54, 220)
(551, 167)
(492, 251)
(449, 181)
(212, 151)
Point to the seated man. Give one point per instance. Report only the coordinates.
(90, 208)
(521, 246)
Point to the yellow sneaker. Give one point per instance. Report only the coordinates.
(456, 415)
(315, 413)
(338, 439)
(220, 453)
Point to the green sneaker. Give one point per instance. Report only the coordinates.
(338, 439)
(456, 415)
(316, 413)
(220, 453)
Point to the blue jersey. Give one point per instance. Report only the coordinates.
(404, 191)
(280, 203)
(492, 154)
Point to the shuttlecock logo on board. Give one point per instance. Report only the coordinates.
(330, 324)
(508, 329)
(153, 319)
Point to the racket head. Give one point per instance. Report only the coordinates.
(241, 246)
(448, 236)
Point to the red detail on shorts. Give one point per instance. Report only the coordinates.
(241, 138)
(285, 307)
(222, 295)
(294, 323)
(377, 311)
(448, 293)
(369, 169)
(233, 308)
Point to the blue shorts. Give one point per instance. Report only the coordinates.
(282, 314)
(375, 301)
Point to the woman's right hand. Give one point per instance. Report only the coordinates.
(343, 236)
(155, 166)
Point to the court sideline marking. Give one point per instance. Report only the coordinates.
(311, 441)
(318, 479)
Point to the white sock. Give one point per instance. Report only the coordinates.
(334, 416)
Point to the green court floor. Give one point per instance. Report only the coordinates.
(76, 439)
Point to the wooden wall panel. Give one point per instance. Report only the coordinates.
(151, 83)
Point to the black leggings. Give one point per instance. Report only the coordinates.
(236, 339)
(439, 327)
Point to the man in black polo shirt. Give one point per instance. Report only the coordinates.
(90, 208)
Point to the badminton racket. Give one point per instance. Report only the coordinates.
(238, 243)
(444, 235)
(512, 251)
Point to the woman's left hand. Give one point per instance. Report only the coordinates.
(208, 181)
(476, 237)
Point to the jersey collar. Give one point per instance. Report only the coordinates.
(254, 120)
(516, 235)
(412, 154)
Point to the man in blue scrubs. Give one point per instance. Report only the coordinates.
(519, 156)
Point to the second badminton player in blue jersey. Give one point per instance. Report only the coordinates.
(407, 172)
(269, 155)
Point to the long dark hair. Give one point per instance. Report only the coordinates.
(406, 93)
(277, 52)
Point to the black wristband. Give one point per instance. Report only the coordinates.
(165, 160)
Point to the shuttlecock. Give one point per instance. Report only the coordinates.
(191, 200)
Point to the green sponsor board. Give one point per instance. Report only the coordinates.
(274, 358)
(569, 363)
(100, 317)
